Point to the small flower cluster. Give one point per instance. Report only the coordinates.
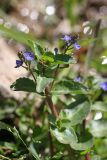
(71, 40)
(26, 56)
(29, 56)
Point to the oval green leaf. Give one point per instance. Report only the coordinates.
(75, 115)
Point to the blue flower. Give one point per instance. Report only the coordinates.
(76, 46)
(78, 79)
(67, 39)
(103, 86)
(18, 63)
(71, 40)
(29, 56)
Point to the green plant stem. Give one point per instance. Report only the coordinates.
(50, 142)
(32, 75)
(3, 157)
(55, 75)
(66, 49)
(31, 72)
(92, 47)
(83, 126)
(51, 145)
(50, 103)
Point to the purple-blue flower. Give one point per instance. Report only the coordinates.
(67, 39)
(103, 86)
(78, 79)
(76, 46)
(29, 56)
(71, 40)
(18, 63)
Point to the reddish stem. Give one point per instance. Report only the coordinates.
(87, 157)
(50, 103)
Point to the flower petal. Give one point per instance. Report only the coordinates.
(103, 86)
(67, 38)
(77, 46)
(18, 63)
(29, 56)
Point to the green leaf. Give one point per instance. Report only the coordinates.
(30, 149)
(66, 136)
(33, 151)
(24, 84)
(83, 145)
(100, 145)
(38, 50)
(48, 57)
(76, 115)
(64, 59)
(98, 128)
(96, 157)
(99, 106)
(57, 156)
(42, 82)
(68, 86)
(4, 112)
(16, 133)
(11, 146)
(78, 99)
(50, 70)
(16, 35)
(5, 126)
